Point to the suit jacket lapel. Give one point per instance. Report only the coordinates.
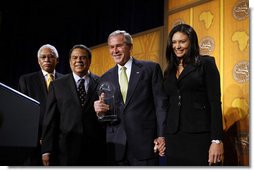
(57, 75)
(187, 70)
(42, 83)
(116, 83)
(136, 72)
(91, 88)
(73, 88)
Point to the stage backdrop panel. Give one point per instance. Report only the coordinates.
(223, 31)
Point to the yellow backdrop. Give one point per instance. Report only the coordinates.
(148, 45)
(223, 30)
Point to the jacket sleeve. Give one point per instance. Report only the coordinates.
(159, 100)
(50, 122)
(212, 79)
(22, 85)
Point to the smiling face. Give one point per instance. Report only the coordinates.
(119, 49)
(180, 44)
(79, 61)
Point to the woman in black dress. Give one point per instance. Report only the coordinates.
(194, 121)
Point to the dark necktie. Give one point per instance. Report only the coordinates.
(82, 91)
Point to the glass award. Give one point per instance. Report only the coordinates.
(108, 89)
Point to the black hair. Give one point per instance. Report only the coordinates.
(80, 46)
(192, 56)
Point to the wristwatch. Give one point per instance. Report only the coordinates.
(216, 141)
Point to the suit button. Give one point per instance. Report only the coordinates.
(179, 103)
(179, 97)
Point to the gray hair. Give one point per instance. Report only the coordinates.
(127, 37)
(53, 49)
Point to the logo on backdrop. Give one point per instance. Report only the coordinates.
(206, 46)
(241, 10)
(241, 72)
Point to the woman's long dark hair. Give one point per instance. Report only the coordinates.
(192, 56)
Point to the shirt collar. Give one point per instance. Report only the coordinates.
(45, 73)
(77, 78)
(128, 65)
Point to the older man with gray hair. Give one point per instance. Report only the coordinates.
(36, 84)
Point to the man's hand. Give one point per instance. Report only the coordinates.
(100, 107)
(45, 159)
(159, 145)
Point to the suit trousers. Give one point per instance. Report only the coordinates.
(130, 160)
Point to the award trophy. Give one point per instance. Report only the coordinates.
(108, 89)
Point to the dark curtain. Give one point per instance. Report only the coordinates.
(25, 25)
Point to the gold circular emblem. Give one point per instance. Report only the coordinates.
(241, 10)
(206, 45)
(241, 72)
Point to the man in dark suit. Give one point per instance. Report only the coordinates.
(71, 128)
(35, 86)
(140, 104)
